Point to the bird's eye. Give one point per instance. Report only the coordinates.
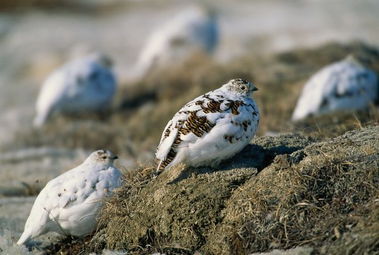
(104, 157)
(243, 87)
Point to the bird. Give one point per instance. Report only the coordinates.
(69, 204)
(340, 86)
(211, 128)
(189, 32)
(85, 84)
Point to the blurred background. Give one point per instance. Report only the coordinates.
(277, 44)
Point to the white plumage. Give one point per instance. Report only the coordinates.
(211, 128)
(70, 203)
(82, 85)
(194, 30)
(345, 85)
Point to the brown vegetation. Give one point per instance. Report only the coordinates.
(319, 194)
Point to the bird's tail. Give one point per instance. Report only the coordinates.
(24, 238)
(160, 167)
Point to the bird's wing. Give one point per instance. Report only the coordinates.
(63, 190)
(47, 205)
(354, 80)
(83, 198)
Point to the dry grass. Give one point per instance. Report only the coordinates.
(170, 224)
(364, 237)
(320, 196)
(313, 202)
(335, 124)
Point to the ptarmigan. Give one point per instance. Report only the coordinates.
(70, 203)
(210, 128)
(83, 85)
(345, 85)
(191, 31)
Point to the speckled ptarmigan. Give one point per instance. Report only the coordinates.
(345, 85)
(191, 31)
(83, 85)
(211, 128)
(70, 203)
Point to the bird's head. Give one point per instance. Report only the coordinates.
(240, 87)
(102, 157)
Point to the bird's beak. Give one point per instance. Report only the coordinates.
(254, 89)
(115, 157)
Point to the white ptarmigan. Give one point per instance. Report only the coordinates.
(345, 85)
(191, 31)
(83, 85)
(70, 203)
(211, 128)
